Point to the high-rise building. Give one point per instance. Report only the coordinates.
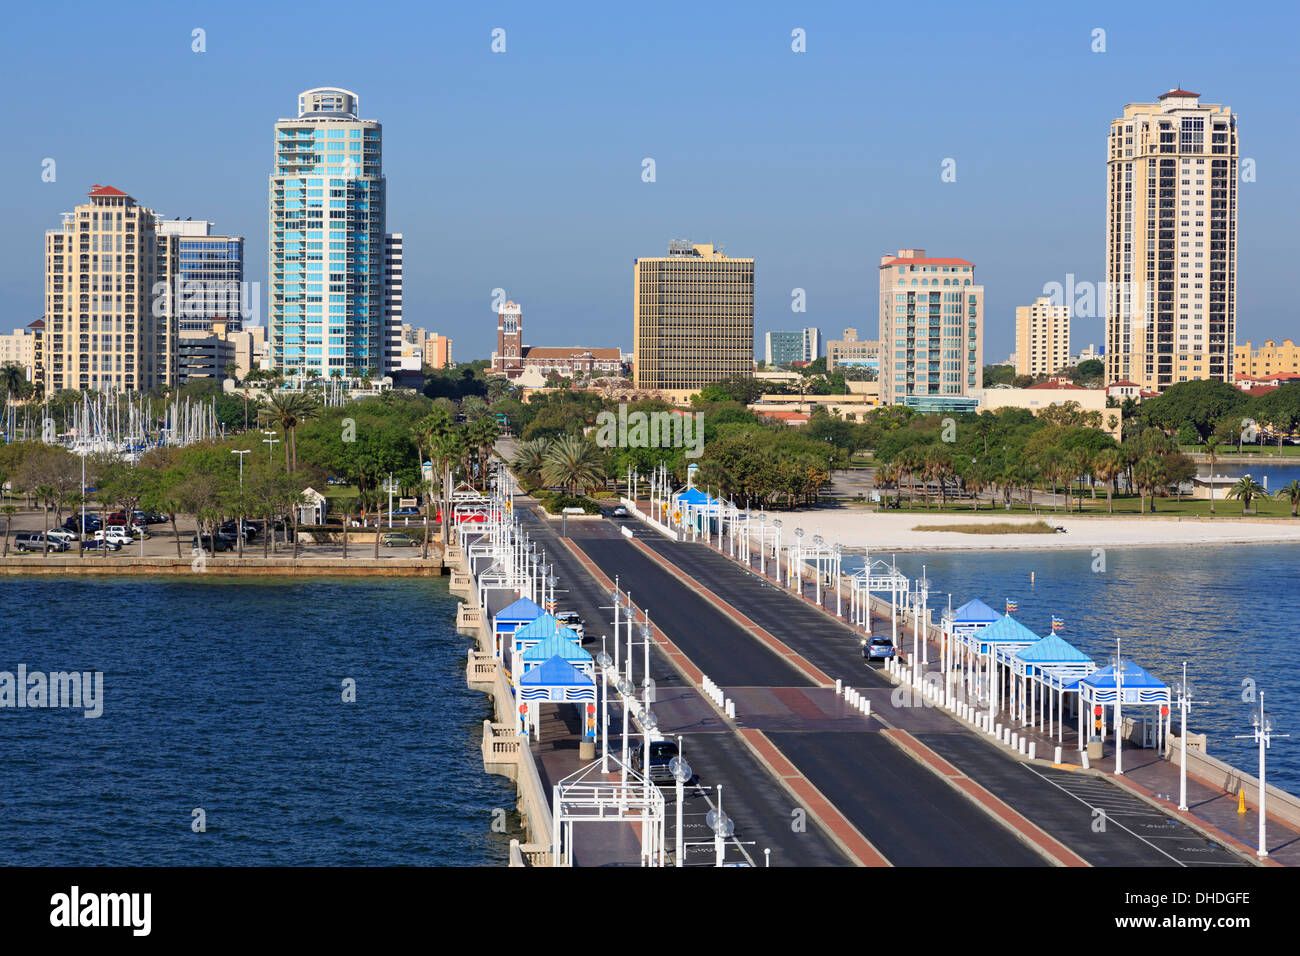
(110, 320)
(693, 317)
(931, 329)
(1171, 242)
(782, 348)
(393, 301)
(1042, 337)
(327, 240)
(209, 283)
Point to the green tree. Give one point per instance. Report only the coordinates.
(1246, 490)
(1291, 492)
(574, 463)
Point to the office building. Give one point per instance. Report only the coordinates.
(328, 245)
(852, 352)
(1269, 359)
(693, 318)
(393, 302)
(1171, 242)
(210, 277)
(782, 348)
(931, 331)
(110, 321)
(1042, 337)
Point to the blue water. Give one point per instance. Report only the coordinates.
(225, 694)
(1272, 475)
(1228, 611)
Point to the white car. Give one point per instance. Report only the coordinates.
(117, 535)
(62, 534)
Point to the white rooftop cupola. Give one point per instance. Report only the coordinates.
(327, 100)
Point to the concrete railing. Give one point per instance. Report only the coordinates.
(529, 854)
(663, 529)
(461, 583)
(1281, 805)
(481, 670)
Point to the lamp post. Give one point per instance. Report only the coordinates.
(615, 598)
(818, 541)
(1261, 733)
(924, 586)
(270, 444)
(626, 690)
(647, 685)
(550, 581)
(762, 543)
(838, 552)
(627, 613)
(241, 452)
(681, 772)
(1119, 701)
(722, 828)
(1184, 691)
(798, 550)
(777, 525)
(649, 725)
(604, 660)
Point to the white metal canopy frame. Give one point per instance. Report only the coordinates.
(585, 796)
(820, 557)
(876, 576)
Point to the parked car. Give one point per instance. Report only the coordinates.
(231, 530)
(620, 511)
(73, 523)
(406, 512)
(63, 534)
(207, 544)
(36, 541)
(118, 536)
(395, 540)
(877, 649)
(99, 544)
(661, 752)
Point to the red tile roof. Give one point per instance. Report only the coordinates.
(1178, 93)
(98, 190)
(1123, 383)
(897, 261)
(38, 324)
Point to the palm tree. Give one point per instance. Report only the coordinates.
(1081, 464)
(10, 510)
(345, 506)
(43, 494)
(574, 463)
(1212, 452)
(13, 379)
(1148, 473)
(289, 410)
(1291, 491)
(1247, 489)
(528, 460)
(1106, 466)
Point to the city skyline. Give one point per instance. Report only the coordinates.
(813, 199)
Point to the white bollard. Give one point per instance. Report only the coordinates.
(997, 730)
(1014, 739)
(866, 706)
(731, 708)
(1022, 747)
(838, 687)
(1033, 750)
(1056, 758)
(1084, 755)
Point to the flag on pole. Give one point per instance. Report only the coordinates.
(1057, 623)
(1012, 606)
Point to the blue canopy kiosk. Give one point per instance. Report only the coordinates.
(1117, 687)
(997, 644)
(555, 681)
(559, 646)
(535, 632)
(962, 624)
(697, 508)
(1050, 670)
(509, 619)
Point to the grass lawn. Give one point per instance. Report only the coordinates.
(993, 527)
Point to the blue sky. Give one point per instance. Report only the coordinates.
(522, 170)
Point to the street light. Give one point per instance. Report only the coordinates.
(270, 444)
(722, 827)
(1184, 692)
(1262, 733)
(798, 548)
(647, 684)
(681, 772)
(604, 660)
(777, 551)
(626, 689)
(241, 452)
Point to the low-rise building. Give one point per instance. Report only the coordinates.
(19, 348)
(1270, 358)
(851, 351)
(1037, 398)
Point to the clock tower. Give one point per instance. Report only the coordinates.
(509, 359)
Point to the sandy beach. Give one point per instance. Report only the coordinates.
(865, 530)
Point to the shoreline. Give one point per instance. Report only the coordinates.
(249, 566)
(869, 531)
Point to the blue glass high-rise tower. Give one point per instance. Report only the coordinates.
(327, 226)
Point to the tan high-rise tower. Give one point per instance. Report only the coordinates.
(110, 321)
(1171, 242)
(1042, 337)
(693, 317)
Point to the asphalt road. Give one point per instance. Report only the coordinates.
(1052, 799)
(760, 807)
